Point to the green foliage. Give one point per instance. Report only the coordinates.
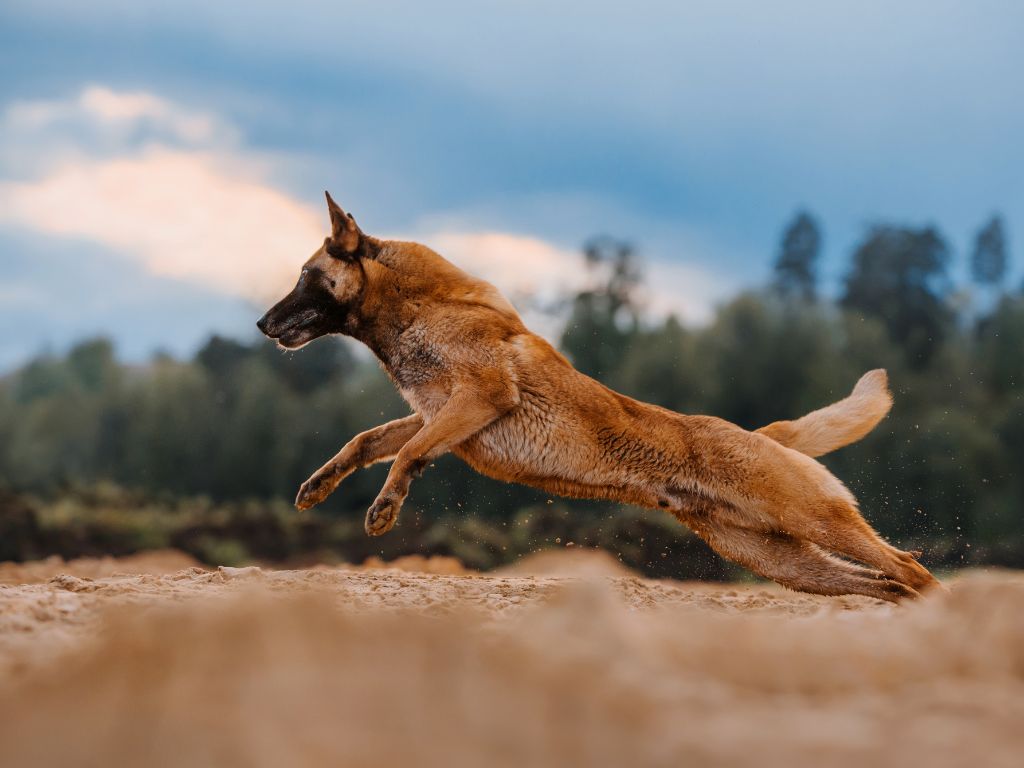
(999, 346)
(107, 520)
(604, 318)
(661, 365)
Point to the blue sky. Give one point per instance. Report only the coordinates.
(162, 167)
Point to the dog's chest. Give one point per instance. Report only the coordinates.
(419, 369)
(415, 360)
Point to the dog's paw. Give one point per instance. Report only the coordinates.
(313, 491)
(382, 516)
(896, 592)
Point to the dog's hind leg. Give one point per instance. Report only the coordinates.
(795, 563)
(843, 530)
(377, 444)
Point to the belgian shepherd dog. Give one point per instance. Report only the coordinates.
(484, 387)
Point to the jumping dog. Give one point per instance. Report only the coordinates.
(484, 387)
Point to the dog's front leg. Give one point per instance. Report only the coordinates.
(377, 444)
(464, 414)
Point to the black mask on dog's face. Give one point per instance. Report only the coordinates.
(329, 287)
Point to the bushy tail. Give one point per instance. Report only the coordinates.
(839, 424)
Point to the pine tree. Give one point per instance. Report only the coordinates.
(796, 266)
(989, 260)
(899, 276)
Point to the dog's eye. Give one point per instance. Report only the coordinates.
(333, 284)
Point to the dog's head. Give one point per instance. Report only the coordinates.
(330, 287)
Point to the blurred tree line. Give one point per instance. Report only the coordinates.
(244, 423)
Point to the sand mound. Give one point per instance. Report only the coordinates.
(246, 667)
(576, 561)
(439, 564)
(154, 561)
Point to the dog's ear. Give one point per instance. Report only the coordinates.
(345, 234)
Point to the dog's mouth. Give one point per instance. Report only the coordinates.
(295, 338)
(297, 331)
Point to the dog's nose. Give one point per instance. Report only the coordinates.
(262, 324)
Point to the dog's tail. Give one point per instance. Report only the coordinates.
(839, 424)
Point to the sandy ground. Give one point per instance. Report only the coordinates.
(566, 660)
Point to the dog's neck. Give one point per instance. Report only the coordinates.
(402, 281)
(388, 305)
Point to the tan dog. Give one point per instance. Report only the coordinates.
(505, 401)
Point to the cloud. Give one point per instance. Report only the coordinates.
(37, 136)
(175, 191)
(102, 107)
(183, 214)
(535, 273)
(160, 184)
(520, 264)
